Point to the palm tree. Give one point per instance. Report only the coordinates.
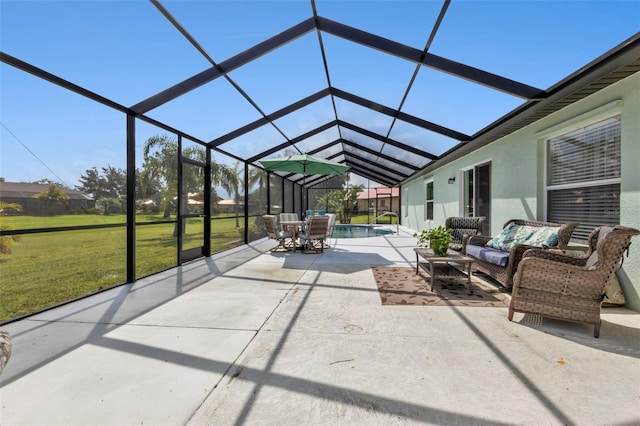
(161, 164)
(351, 196)
(237, 182)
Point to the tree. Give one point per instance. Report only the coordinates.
(111, 183)
(342, 201)
(47, 181)
(257, 177)
(160, 168)
(108, 188)
(8, 241)
(53, 199)
(351, 197)
(333, 201)
(6, 207)
(237, 183)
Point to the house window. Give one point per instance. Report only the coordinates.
(428, 203)
(583, 176)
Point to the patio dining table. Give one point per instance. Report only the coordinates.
(293, 226)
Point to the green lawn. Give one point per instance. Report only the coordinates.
(50, 268)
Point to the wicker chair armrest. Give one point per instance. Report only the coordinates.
(477, 240)
(555, 256)
(517, 252)
(574, 280)
(474, 240)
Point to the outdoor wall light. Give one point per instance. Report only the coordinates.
(452, 180)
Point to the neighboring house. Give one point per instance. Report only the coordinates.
(226, 206)
(25, 195)
(577, 160)
(379, 200)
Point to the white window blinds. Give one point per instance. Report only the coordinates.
(591, 206)
(588, 154)
(583, 180)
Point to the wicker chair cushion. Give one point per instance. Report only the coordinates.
(496, 257)
(614, 296)
(504, 240)
(536, 236)
(510, 236)
(545, 236)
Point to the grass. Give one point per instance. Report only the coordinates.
(49, 268)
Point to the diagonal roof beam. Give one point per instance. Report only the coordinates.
(388, 141)
(313, 152)
(229, 65)
(401, 115)
(432, 36)
(292, 141)
(370, 174)
(357, 129)
(376, 166)
(439, 63)
(271, 117)
(378, 154)
(350, 98)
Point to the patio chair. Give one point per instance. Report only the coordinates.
(331, 226)
(5, 348)
(500, 260)
(288, 217)
(560, 286)
(314, 234)
(462, 226)
(271, 226)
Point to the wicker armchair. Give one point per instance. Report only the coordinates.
(271, 226)
(462, 226)
(504, 274)
(5, 348)
(564, 287)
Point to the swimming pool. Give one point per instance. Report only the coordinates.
(359, 231)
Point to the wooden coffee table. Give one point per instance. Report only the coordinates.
(440, 266)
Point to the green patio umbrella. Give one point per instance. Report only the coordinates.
(305, 165)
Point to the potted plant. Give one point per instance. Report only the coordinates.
(438, 239)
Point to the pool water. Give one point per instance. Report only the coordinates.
(359, 231)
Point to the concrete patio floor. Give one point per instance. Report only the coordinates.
(250, 337)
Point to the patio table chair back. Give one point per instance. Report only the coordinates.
(314, 233)
(288, 217)
(271, 226)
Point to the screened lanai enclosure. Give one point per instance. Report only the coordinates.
(158, 114)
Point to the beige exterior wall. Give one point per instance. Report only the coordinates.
(518, 174)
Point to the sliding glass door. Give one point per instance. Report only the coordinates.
(476, 193)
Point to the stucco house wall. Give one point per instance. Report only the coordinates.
(518, 174)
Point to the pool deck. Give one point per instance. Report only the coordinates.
(249, 337)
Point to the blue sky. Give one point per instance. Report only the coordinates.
(127, 51)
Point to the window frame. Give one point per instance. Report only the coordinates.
(427, 201)
(587, 119)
